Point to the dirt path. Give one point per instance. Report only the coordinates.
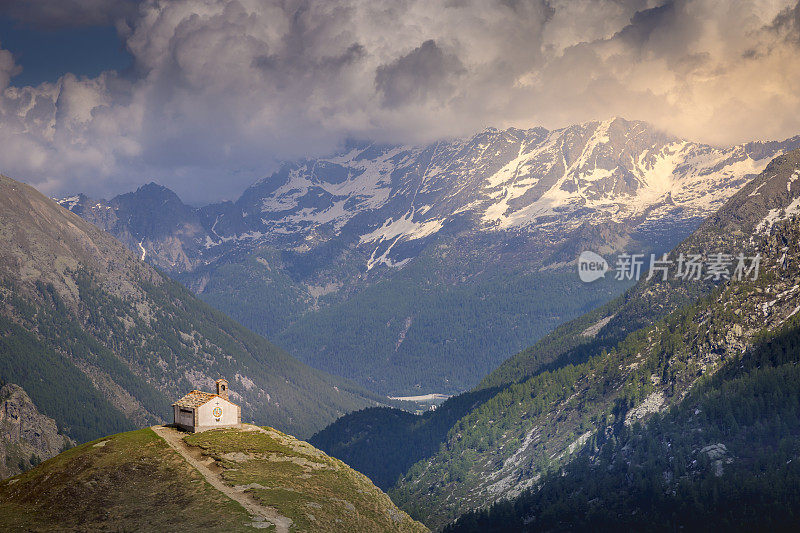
(264, 516)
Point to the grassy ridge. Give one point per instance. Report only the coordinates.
(135, 482)
(317, 492)
(127, 482)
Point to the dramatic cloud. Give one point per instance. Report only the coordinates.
(222, 89)
(423, 73)
(68, 13)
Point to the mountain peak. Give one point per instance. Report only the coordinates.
(152, 186)
(152, 190)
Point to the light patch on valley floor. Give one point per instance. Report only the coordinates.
(421, 398)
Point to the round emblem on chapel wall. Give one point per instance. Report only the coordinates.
(217, 412)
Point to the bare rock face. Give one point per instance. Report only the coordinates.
(27, 437)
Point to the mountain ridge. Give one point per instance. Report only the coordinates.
(85, 318)
(576, 171)
(472, 235)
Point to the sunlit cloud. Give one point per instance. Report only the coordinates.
(222, 89)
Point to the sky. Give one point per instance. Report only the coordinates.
(47, 54)
(208, 96)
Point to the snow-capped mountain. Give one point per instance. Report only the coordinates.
(535, 181)
(422, 247)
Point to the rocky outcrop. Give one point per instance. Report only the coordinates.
(27, 437)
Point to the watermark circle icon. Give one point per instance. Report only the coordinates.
(591, 266)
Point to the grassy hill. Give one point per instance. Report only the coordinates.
(132, 482)
(135, 481)
(85, 320)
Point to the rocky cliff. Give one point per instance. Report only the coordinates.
(27, 437)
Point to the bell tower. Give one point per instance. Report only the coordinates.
(222, 388)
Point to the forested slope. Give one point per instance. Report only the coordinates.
(728, 455)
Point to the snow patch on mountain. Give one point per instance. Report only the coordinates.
(697, 179)
(795, 175)
(365, 187)
(403, 227)
(69, 203)
(778, 214)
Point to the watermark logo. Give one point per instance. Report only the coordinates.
(716, 267)
(591, 266)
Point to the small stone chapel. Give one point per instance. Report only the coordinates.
(199, 411)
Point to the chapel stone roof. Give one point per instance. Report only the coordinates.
(195, 398)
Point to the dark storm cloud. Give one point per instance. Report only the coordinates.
(644, 23)
(425, 72)
(787, 24)
(68, 13)
(273, 65)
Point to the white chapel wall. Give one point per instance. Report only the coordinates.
(229, 413)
